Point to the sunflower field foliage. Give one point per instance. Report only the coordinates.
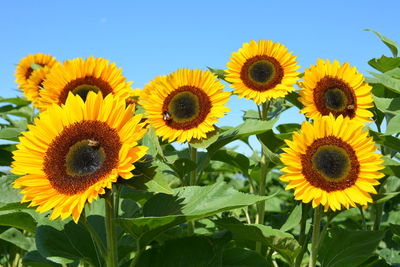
(96, 173)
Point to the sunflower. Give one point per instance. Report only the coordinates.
(75, 151)
(333, 163)
(337, 89)
(184, 105)
(34, 84)
(80, 77)
(27, 65)
(262, 71)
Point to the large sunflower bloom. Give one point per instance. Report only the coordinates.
(75, 151)
(184, 105)
(262, 71)
(337, 89)
(25, 68)
(332, 163)
(82, 76)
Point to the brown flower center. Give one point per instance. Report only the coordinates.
(330, 164)
(332, 95)
(81, 155)
(186, 107)
(261, 73)
(82, 86)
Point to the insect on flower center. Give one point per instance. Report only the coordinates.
(84, 157)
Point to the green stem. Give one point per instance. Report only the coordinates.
(112, 255)
(193, 157)
(315, 236)
(302, 238)
(379, 208)
(95, 237)
(137, 255)
(364, 225)
(263, 177)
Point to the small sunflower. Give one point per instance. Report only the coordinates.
(80, 77)
(262, 71)
(184, 105)
(332, 163)
(34, 85)
(25, 67)
(337, 89)
(75, 151)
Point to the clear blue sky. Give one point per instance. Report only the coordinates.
(150, 38)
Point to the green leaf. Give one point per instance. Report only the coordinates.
(288, 127)
(211, 137)
(17, 238)
(389, 43)
(35, 259)
(384, 197)
(293, 219)
(240, 257)
(8, 194)
(233, 158)
(390, 255)
(392, 167)
(244, 130)
(394, 125)
(187, 204)
(183, 166)
(220, 73)
(150, 139)
(195, 251)
(24, 112)
(71, 244)
(284, 243)
(10, 134)
(348, 248)
(386, 80)
(293, 97)
(20, 220)
(384, 63)
(395, 73)
(16, 101)
(388, 105)
(386, 140)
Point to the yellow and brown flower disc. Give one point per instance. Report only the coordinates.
(25, 67)
(34, 85)
(75, 151)
(332, 163)
(184, 105)
(80, 77)
(337, 89)
(262, 71)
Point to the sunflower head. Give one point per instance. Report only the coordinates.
(134, 96)
(332, 163)
(80, 77)
(262, 70)
(27, 66)
(34, 84)
(184, 105)
(337, 89)
(75, 151)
